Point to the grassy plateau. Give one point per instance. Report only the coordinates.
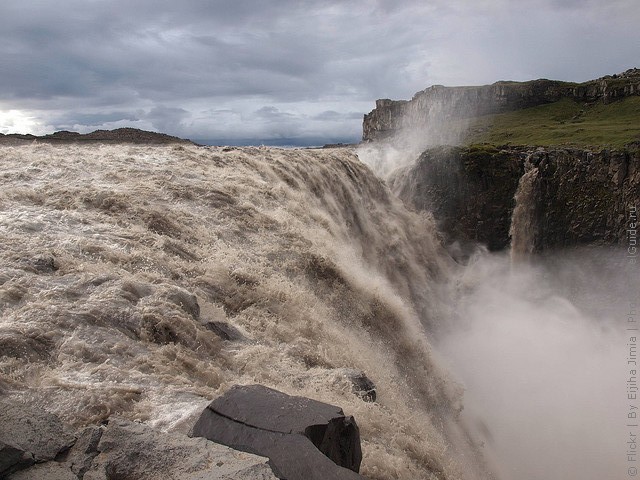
(565, 122)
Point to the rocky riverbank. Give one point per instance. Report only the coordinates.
(297, 438)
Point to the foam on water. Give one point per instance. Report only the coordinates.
(305, 252)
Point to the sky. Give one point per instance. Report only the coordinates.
(283, 71)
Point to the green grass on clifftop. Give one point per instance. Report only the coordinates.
(565, 122)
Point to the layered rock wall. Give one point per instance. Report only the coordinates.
(391, 117)
(581, 196)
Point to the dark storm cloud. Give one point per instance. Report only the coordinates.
(200, 67)
(155, 49)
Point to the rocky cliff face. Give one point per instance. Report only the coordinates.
(579, 196)
(391, 117)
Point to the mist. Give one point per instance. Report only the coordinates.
(435, 116)
(540, 350)
(537, 341)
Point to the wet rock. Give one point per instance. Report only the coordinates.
(224, 330)
(85, 450)
(34, 431)
(303, 438)
(45, 264)
(13, 458)
(185, 300)
(134, 450)
(362, 385)
(580, 194)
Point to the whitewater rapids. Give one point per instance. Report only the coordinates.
(114, 259)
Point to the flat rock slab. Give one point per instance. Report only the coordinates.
(133, 450)
(303, 438)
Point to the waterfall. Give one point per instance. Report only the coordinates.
(524, 225)
(119, 262)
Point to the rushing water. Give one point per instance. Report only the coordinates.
(116, 258)
(305, 252)
(524, 222)
(541, 346)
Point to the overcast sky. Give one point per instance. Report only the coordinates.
(288, 69)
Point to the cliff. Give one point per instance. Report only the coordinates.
(437, 104)
(580, 196)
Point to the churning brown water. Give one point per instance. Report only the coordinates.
(116, 258)
(524, 223)
(305, 252)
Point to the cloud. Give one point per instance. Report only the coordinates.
(272, 113)
(167, 119)
(166, 64)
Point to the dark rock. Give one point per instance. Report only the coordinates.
(34, 431)
(129, 450)
(13, 458)
(224, 330)
(362, 385)
(303, 438)
(45, 264)
(470, 192)
(579, 195)
(185, 300)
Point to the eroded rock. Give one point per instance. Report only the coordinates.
(224, 330)
(362, 385)
(303, 438)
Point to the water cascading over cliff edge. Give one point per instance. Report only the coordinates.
(120, 263)
(548, 277)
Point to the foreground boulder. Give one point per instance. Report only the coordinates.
(303, 438)
(28, 435)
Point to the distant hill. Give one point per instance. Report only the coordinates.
(538, 112)
(119, 135)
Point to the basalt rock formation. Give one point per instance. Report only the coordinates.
(390, 117)
(579, 196)
(303, 439)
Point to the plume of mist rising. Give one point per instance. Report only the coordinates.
(537, 341)
(436, 116)
(540, 348)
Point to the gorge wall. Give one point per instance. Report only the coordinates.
(580, 196)
(391, 117)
